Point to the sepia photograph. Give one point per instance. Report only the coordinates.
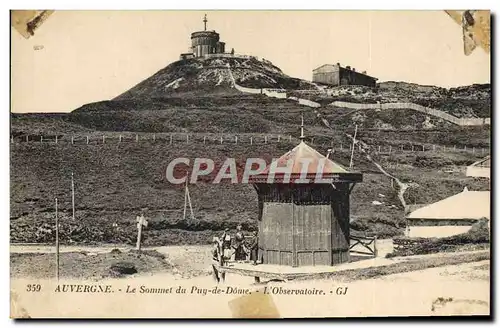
(250, 164)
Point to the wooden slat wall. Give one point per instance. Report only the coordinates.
(276, 233)
(312, 234)
(286, 258)
(304, 225)
(339, 239)
(340, 226)
(312, 227)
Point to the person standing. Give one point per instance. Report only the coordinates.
(216, 249)
(216, 257)
(226, 246)
(239, 251)
(254, 247)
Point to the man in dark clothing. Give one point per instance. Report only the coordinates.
(239, 250)
(216, 249)
(226, 245)
(216, 257)
(254, 247)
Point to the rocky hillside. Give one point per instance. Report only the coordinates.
(466, 101)
(199, 76)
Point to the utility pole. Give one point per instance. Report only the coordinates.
(141, 221)
(73, 194)
(187, 199)
(190, 205)
(57, 244)
(353, 143)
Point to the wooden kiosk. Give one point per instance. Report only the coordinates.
(304, 223)
(303, 216)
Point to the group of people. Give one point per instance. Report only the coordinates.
(241, 247)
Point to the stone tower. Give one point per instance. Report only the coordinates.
(206, 42)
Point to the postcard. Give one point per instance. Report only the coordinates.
(250, 164)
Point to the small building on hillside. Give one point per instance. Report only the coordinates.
(336, 75)
(304, 216)
(480, 168)
(450, 216)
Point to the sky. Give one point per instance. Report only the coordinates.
(77, 57)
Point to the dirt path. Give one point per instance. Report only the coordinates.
(365, 148)
(384, 246)
(189, 260)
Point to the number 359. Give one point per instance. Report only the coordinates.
(33, 288)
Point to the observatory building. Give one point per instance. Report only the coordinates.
(204, 43)
(304, 223)
(336, 75)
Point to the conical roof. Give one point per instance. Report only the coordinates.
(305, 163)
(302, 153)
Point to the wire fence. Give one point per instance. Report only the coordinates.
(246, 139)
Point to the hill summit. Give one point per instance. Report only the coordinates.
(213, 74)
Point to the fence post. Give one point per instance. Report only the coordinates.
(454, 147)
(379, 148)
(290, 138)
(170, 139)
(103, 138)
(204, 139)
(423, 147)
(87, 140)
(41, 139)
(136, 138)
(473, 149)
(251, 140)
(433, 147)
(412, 148)
(11, 139)
(72, 139)
(390, 149)
(221, 139)
(312, 141)
(265, 139)
(340, 146)
(236, 139)
(120, 138)
(154, 137)
(56, 140)
(187, 138)
(465, 148)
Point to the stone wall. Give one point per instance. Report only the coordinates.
(416, 107)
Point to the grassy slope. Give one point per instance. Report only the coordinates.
(116, 181)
